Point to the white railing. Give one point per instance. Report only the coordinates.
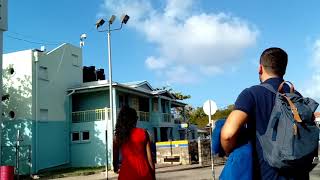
(166, 117)
(91, 115)
(143, 116)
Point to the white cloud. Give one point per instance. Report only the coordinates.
(316, 54)
(137, 9)
(197, 41)
(180, 74)
(211, 70)
(178, 9)
(313, 86)
(154, 63)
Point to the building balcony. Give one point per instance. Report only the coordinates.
(102, 114)
(143, 116)
(156, 118)
(91, 115)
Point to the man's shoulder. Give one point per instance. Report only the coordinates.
(251, 94)
(255, 89)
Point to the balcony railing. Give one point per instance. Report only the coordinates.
(103, 114)
(166, 117)
(91, 115)
(143, 116)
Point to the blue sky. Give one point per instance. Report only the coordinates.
(208, 49)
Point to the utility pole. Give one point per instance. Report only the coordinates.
(99, 23)
(3, 27)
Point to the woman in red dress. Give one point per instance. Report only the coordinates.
(134, 144)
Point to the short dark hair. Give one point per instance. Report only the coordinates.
(274, 60)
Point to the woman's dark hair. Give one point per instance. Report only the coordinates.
(127, 120)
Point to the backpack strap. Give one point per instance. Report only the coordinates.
(293, 108)
(269, 87)
(280, 89)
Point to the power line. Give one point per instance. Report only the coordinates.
(32, 42)
(32, 37)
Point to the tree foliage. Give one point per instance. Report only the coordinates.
(177, 95)
(180, 96)
(198, 117)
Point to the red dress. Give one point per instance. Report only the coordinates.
(134, 165)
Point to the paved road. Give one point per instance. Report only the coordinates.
(174, 173)
(192, 174)
(189, 172)
(315, 173)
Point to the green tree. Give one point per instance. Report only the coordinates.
(180, 96)
(198, 117)
(177, 95)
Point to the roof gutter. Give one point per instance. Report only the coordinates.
(73, 91)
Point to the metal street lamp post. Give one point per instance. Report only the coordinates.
(99, 23)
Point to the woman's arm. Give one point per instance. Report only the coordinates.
(115, 155)
(149, 153)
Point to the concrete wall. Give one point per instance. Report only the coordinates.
(204, 151)
(37, 90)
(19, 87)
(53, 144)
(90, 101)
(64, 70)
(54, 72)
(92, 152)
(169, 149)
(9, 142)
(19, 84)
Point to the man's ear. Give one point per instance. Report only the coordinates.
(260, 69)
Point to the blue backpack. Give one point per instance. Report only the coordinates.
(291, 139)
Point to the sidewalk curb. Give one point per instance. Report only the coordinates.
(181, 169)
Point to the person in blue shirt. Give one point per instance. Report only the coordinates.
(253, 108)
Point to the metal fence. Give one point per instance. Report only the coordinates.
(20, 159)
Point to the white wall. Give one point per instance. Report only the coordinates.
(19, 84)
(64, 68)
(92, 152)
(19, 87)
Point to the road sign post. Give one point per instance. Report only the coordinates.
(210, 108)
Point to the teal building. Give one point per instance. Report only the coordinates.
(55, 119)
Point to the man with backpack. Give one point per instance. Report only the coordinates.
(280, 122)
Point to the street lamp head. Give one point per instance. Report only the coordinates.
(99, 23)
(83, 36)
(112, 18)
(125, 18)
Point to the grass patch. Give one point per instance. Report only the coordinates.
(68, 172)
